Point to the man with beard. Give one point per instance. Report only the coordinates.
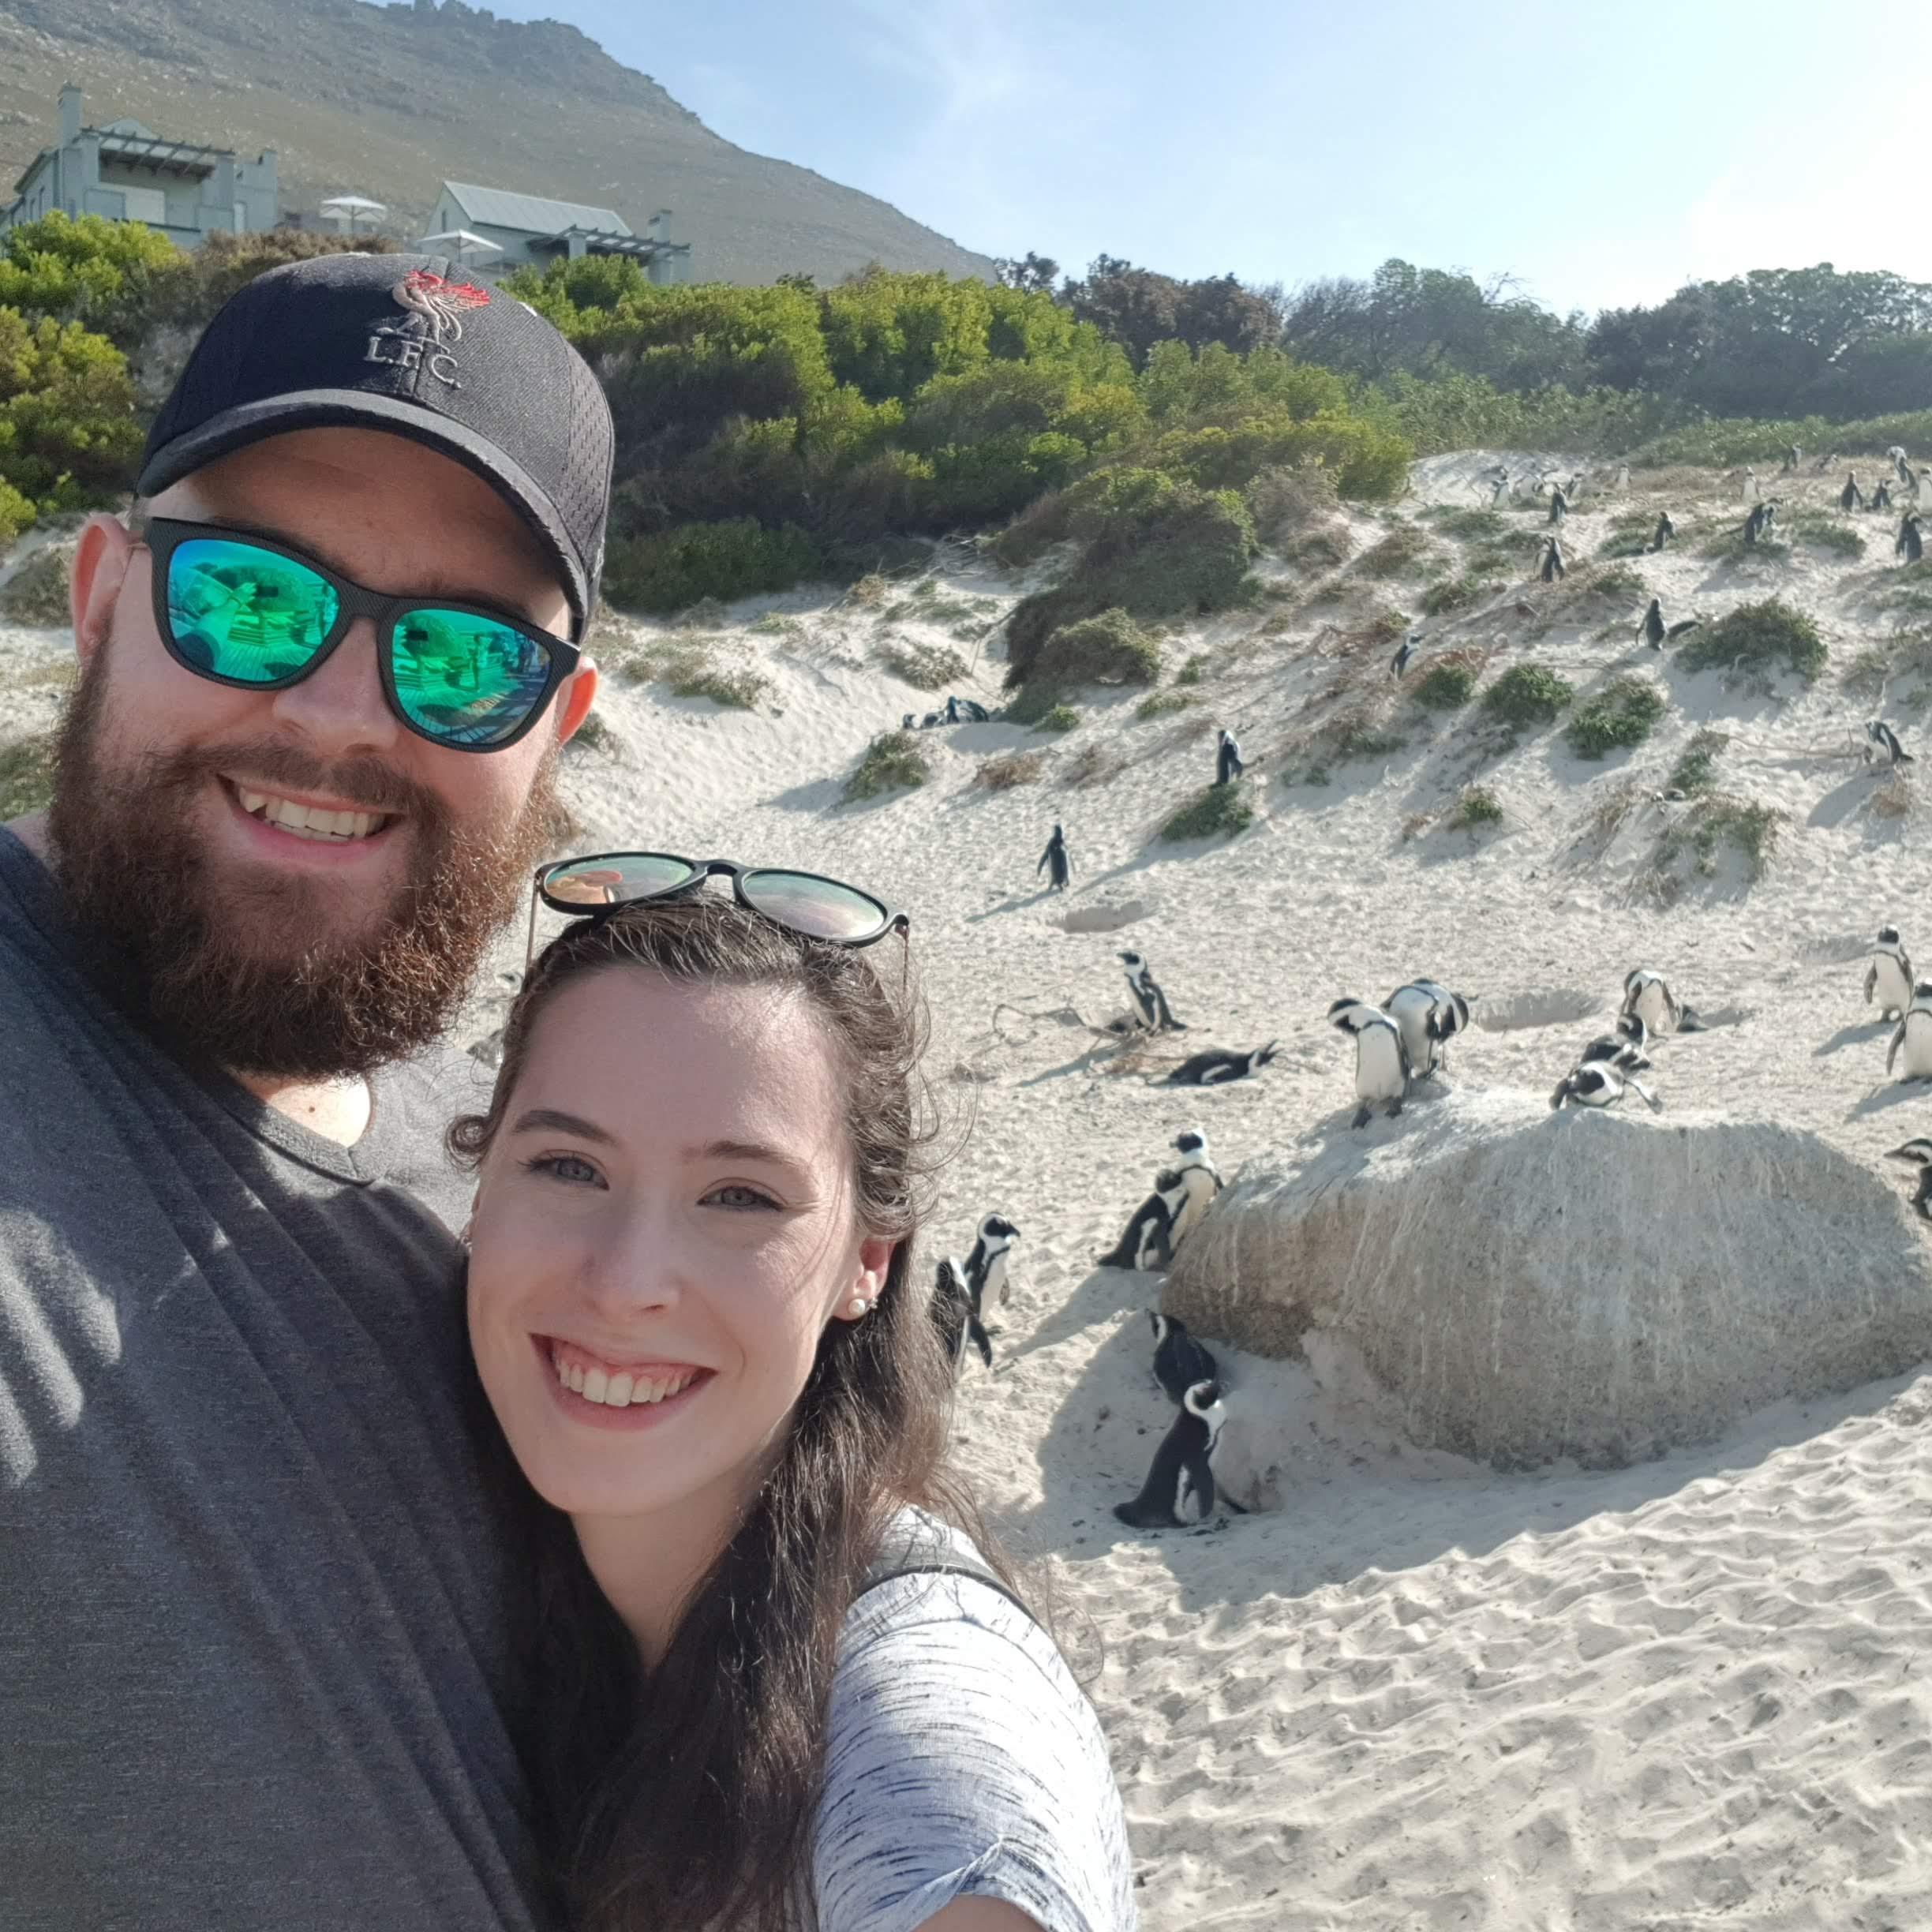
(258, 1585)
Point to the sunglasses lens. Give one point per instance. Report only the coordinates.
(821, 908)
(240, 612)
(465, 678)
(615, 880)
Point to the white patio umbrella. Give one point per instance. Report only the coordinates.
(460, 243)
(349, 207)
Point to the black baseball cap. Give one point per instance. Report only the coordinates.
(406, 343)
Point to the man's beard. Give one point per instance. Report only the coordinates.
(192, 957)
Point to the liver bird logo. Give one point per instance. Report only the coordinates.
(438, 303)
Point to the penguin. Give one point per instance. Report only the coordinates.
(956, 1315)
(1919, 1153)
(1179, 1361)
(1055, 856)
(1429, 1014)
(1227, 758)
(1559, 505)
(1500, 488)
(1553, 561)
(1880, 736)
(1217, 1066)
(1850, 497)
(1382, 1068)
(1770, 519)
(1750, 492)
(1645, 994)
(1148, 1242)
(1827, 461)
(986, 1267)
(1792, 456)
(1665, 530)
(1882, 497)
(1601, 1085)
(1404, 651)
(1916, 1038)
(965, 710)
(1150, 1003)
(1622, 476)
(1198, 1180)
(931, 719)
(1651, 630)
(1755, 525)
(1900, 468)
(1889, 976)
(1911, 544)
(1180, 1487)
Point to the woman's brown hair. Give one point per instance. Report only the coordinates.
(684, 1795)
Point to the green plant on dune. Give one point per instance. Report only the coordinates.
(1623, 714)
(1218, 808)
(1058, 717)
(1527, 695)
(1757, 637)
(1446, 688)
(1478, 806)
(1163, 704)
(1696, 768)
(925, 667)
(893, 761)
(1716, 820)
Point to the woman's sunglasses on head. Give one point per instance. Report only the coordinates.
(801, 902)
(245, 611)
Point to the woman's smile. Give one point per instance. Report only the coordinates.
(593, 1389)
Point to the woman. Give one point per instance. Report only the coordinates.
(693, 1307)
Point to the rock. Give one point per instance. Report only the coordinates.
(1097, 918)
(1528, 1286)
(35, 592)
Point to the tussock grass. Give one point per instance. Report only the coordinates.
(1717, 822)
(1476, 808)
(1010, 769)
(1447, 686)
(925, 667)
(1527, 695)
(1696, 768)
(1163, 704)
(1908, 655)
(1450, 594)
(1624, 713)
(1217, 809)
(1757, 637)
(1405, 551)
(893, 761)
(1468, 525)
(1057, 717)
(1091, 764)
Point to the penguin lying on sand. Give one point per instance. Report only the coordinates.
(1381, 1065)
(1601, 1085)
(986, 1267)
(1645, 994)
(964, 711)
(1216, 1068)
(1919, 1153)
(1180, 1487)
(1889, 975)
(912, 722)
(1179, 1361)
(1915, 1035)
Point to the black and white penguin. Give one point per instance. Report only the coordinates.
(1055, 856)
(1148, 1242)
(1882, 497)
(1850, 497)
(1791, 457)
(932, 718)
(986, 1267)
(956, 1314)
(1624, 1049)
(1499, 489)
(1900, 468)
(1918, 1152)
(1429, 1016)
(1228, 764)
(1915, 1035)
(1600, 1084)
(1889, 976)
(1180, 1487)
(1911, 544)
(1880, 736)
(1558, 504)
(1651, 630)
(1754, 524)
(1179, 1361)
(1404, 651)
(1647, 996)
(965, 710)
(1150, 1004)
(1665, 530)
(1382, 1068)
(1553, 561)
(1217, 1067)
(1199, 1180)
(1770, 519)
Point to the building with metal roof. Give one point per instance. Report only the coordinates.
(127, 172)
(532, 231)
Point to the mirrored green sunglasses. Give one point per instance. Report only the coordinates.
(243, 610)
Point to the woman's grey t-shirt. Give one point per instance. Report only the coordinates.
(255, 1663)
(963, 1760)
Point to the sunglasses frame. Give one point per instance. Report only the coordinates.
(165, 535)
(893, 920)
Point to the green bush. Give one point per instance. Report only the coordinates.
(1289, 502)
(691, 671)
(1401, 553)
(1623, 713)
(893, 761)
(26, 775)
(110, 276)
(1163, 704)
(1470, 525)
(1827, 532)
(925, 667)
(1758, 637)
(1478, 806)
(1618, 581)
(736, 559)
(1218, 808)
(1193, 671)
(1527, 695)
(68, 437)
(1450, 594)
(1717, 820)
(1446, 687)
(1696, 768)
(1110, 649)
(1356, 738)
(1057, 717)
(1721, 442)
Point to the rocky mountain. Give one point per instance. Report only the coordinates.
(389, 101)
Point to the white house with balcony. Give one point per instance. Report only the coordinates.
(525, 231)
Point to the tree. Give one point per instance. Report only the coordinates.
(1032, 275)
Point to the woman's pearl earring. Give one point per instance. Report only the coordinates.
(857, 1306)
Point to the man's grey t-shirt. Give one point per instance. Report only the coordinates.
(254, 1625)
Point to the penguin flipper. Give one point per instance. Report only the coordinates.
(1898, 1040)
(1871, 981)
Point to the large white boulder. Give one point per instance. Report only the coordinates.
(1528, 1286)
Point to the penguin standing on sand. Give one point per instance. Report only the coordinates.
(1792, 459)
(1651, 630)
(1880, 737)
(1910, 544)
(1915, 1035)
(1228, 764)
(1889, 976)
(1216, 1067)
(1647, 996)
(1850, 497)
(1599, 1085)
(986, 1267)
(1055, 862)
(1553, 561)
(1756, 524)
(1179, 1361)
(956, 1315)
(1919, 1153)
(1665, 530)
(1382, 1068)
(1558, 504)
(1882, 497)
(1150, 1010)
(1429, 1016)
(1404, 651)
(1180, 1487)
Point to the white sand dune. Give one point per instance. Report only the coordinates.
(1415, 1694)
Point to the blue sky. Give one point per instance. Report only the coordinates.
(1602, 153)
